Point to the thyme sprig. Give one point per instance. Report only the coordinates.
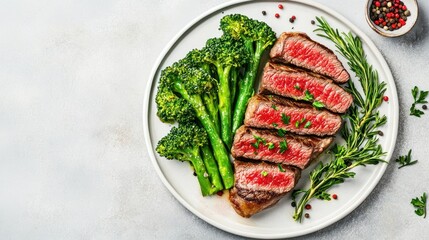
(360, 130)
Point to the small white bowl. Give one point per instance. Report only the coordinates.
(411, 5)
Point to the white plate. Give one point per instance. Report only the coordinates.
(277, 221)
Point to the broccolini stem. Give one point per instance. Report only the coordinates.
(212, 168)
(225, 105)
(246, 90)
(219, 150)
(212, 108)
(202, 175)
(233, 87)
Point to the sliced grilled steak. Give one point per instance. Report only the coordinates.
(298, 49)
(259, 186)
(303, 85)
(274, 112)
(267, 145)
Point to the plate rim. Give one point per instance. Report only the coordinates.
(391, 142)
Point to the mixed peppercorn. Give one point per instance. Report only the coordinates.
(389, 14)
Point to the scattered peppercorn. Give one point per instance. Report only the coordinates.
(385, 98)
(277, 15)
(380, 133)
(280, 6)
(389, 14)
(293, 204)
(293, 17)
(291, 20)
(307, 215)
(425, 107)
(308, 206)
(220, 193)
(264, 13)
(334, 196)
(312, 22)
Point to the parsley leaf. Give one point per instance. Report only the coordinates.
(258, 141)
(271, 146)
(281, 169)
(307, 125)
(274, 106)
(275, 124)
(419, 98)
(264, 173)
(281, 132)
(285, 119)
(420, 205)
(318, 104)
(297, 87)
(308, 96)
(283, 146)
(405, 160)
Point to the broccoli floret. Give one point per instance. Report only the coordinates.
(190, 84)
(227, 55)
(257, 36)
(184, 143)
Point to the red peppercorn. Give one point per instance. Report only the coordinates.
(277, 15)
(308, 206)
(280, 6)
(293, 17)
(334, 196)
(404, 8)
(220, 193)
(397, 15)
(377, 4)
(393, 26)
(376, 22)
(385, 98)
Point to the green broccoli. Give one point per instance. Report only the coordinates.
(257, 36)
(185, 143)
(195, 59)
(227, 55)
(190, 84)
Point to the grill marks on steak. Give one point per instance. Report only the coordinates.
(294, 83)
(259, 186)
(261, 114)
(300, 50)
(299, 152)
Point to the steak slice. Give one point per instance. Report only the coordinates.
(266, 145)
(303, 85)
(259, 186)
(271, 112)
(298, 49)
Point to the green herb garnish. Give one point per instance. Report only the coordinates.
(285, 119)
(307, 124)
(264, 173)
(274, 107)
(297, 87)
(318, 104)
(420, 205)
(299, 122)
(283, 146)
(419, 98)
(281, 168)
(271, 146)
(281, 132)
(361, 146)
(308, 96)
(258, 141)
(275, 124)
(405, 160)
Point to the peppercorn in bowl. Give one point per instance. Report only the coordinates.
(392, 18)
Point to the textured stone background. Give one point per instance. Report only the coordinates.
(73, 164)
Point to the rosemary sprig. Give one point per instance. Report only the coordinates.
(360, 131)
